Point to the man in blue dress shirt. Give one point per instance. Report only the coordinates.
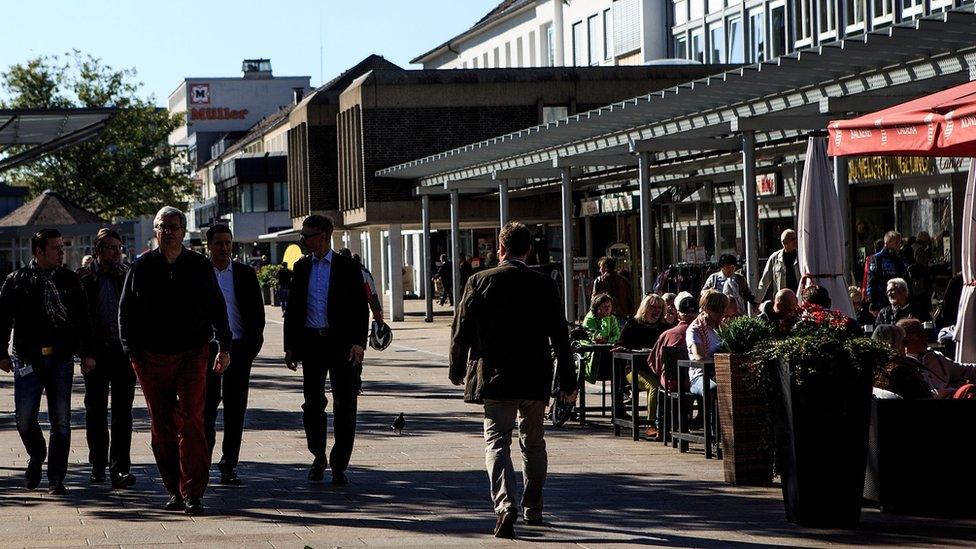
(326, 326)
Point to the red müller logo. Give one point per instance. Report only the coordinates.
(200, 94)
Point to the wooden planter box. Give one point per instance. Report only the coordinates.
(742, 416)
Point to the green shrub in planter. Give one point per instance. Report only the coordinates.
(268, 276)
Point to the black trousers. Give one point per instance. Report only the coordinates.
(113, 374)
(231, 387)
(323, 357)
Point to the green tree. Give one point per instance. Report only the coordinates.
(127, 171)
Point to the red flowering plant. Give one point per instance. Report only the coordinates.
(816, 320)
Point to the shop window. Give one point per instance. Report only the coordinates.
(932, 216)
(737, 48)
(681, 46)
(716, 36)
(593, 40)
(803, 10)
(855, 16)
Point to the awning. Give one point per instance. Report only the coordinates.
(44, 131)
(941, 124)
(286, 235)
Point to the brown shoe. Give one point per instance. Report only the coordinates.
(505, 525)
(651, 432)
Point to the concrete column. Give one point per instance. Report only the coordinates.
(646, 227)
(396, 273)
(750, 209)
(425, 260)
(567, 219)
(588, 229)
(455, 246)
(375, 260)
(356, 242)
(502, 202)
(844, 199)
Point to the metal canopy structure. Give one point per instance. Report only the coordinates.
(931, 47)
(44, 131)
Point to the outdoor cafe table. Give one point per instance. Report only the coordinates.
(621, 360)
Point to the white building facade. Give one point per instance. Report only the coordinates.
(555, 33)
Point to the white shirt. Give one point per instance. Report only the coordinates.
(225, 279)
(700, 334)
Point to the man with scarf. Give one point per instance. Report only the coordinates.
(103, 281)
(44, 304)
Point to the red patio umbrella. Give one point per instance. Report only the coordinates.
(941, 124)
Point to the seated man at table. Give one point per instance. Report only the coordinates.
(943, 375)
(687, 309)
(782, 311)
(900, 306)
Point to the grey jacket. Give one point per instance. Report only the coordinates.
(774, 276)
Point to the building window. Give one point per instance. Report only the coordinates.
(697, 10)
(855, 16)
(532, 49)
(777, 31)
(803, 10)
(698, 45)
(474, 63)
(716, 38)
(508, 54)
(827, 18)
(550, 46)
(757, 37)
(715, 6)
(882, 14)
(579, 45)
(626, 26)
(910, 9)
(681, 46)
(939, 6)
(519, 60)
(497, 58)
(484, 61)
(737, 47)
(680, 12)
(607, 33)
(593, 40)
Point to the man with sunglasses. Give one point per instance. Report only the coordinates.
(171, 309)
(103, 281)
(326, 324)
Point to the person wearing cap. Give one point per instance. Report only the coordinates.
(245, 313)
(103, 280)
(731, 283)
(687, 309)
(170, 310)
(44, 304)
(326, 326)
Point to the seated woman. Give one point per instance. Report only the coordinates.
(901, 376)
(603, 328)
(702, 337)
(641, 333)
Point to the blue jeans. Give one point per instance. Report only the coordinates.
(697, 386)
(53, 376)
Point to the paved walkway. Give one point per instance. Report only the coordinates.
(424, 488)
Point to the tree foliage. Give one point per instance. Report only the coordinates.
(127, 171)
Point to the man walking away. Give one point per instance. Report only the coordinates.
(325, 329)
(782, 270)
(505, 329)
(245, 313)
(171, 308)
(446, 275)
(103, 281)
(44, 304)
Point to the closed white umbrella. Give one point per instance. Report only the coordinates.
(966, 321)
(819, 229)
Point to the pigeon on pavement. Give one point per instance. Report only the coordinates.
(399, 423)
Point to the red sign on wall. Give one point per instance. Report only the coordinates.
(218, 113)
(767, 184)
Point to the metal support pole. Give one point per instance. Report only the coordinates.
(455, 247)
(588, 229)
(750, 209)
(844, 199)
(646, 228)
(503, 202)
(567, 206)
(425, 262)
(396, 273)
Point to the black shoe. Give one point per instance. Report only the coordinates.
(33, 474)
(534, 522)
(339, 478)
(505, 525)
(175, 503)
(97, 476)
(194, 507)
(317, 472)
(230, 478)
(123, 480)
(57, 489)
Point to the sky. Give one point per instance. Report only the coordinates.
(168, 41)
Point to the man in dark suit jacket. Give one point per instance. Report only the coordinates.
(505, 330)
(326, 324)
(245, 313)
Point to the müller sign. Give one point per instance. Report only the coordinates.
(217, 113)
